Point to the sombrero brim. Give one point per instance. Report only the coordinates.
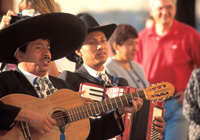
(66, 33)
(106, 29)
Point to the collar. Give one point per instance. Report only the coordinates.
(152, 31)
(93, 72)
(30, 76)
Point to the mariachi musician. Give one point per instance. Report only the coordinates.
(31, 44)
(94, 53)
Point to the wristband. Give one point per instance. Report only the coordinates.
(117, 112)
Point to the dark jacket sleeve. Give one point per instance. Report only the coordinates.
(104, 128)
(7, 112)
(73, 79)
(7, 115)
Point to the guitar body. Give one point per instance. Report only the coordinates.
(60, 101)
(67, 108)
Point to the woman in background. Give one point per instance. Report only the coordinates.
(41, 6)
(123, 44)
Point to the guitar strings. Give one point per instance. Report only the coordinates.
(86, 112)
(92, 111)
(83, 113)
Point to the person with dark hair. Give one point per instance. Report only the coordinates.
(169, 51)
(94, 57)
(27, 8)
(123, 45)
(93, 54)
(42, 40)
(30, 50)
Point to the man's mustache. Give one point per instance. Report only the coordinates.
(46, 57)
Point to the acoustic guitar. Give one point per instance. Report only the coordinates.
(67, 108)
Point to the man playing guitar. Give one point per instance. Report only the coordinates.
(30, 45)
(94, 53)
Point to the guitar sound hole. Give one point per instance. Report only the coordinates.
(60, 117)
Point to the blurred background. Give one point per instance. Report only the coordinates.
(134, 12)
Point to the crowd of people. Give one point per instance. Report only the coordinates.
(53, 50)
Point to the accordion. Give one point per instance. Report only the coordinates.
(154, 110)
(99, 93)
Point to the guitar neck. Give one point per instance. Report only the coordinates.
(65, 106)
(103, 106)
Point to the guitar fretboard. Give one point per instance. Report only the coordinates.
(93, 109)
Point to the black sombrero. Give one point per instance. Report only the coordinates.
(92, 25)
(66, 33)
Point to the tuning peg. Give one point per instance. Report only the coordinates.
(164, 98)
(159, 100)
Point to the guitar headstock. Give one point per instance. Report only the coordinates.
(162, 90)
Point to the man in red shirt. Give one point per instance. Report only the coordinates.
(169, 51)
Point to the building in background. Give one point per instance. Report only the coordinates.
(134, 12)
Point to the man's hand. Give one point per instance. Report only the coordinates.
(40, 122)
(160, 124)
(135, 106)
(5, 21)
(85, 100)
(180, 96)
